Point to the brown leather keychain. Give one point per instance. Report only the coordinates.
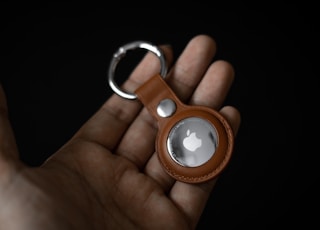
(194, 143)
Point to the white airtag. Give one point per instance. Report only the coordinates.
(192, 142)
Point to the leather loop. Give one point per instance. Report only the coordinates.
(152, 92)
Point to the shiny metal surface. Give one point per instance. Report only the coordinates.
(121, 53)
(166, 108)
(192, 142)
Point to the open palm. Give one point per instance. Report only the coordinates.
(108, 175)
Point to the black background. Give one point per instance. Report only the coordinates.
(54, 60)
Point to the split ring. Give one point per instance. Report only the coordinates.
(121, 52)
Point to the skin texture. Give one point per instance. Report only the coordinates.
(107, 176)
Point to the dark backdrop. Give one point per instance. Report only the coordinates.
(53, 68)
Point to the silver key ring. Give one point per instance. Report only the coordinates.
(121, 52)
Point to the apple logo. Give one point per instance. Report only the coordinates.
(191, 142)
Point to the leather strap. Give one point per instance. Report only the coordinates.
(152, 92)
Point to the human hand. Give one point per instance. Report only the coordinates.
(107, 176)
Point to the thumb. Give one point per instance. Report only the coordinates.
(8, 147)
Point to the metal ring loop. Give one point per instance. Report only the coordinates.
(118, 55)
